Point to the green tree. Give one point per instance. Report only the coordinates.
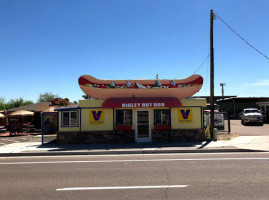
(47, 97)
(13, 103)
(3, 104)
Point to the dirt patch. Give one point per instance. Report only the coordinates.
(226, 136)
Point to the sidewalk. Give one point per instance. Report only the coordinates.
(238, 144)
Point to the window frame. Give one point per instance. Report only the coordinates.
(69, 118)
(155, 117)
(123, 125)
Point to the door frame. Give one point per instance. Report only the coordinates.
(136, 127)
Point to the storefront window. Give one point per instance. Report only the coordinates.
(124, 117)
(69, 118)
(162, 117)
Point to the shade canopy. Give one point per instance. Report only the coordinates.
(2, 116)
(21, 113)
(153, 102)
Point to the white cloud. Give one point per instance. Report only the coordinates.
(141, 79)
(259, 88)
(261, 83)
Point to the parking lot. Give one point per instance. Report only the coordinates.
(249, 130)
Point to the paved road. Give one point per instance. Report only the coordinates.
(249, 130)
(177, 176)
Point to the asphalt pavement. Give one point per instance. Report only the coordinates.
(250, 129)
(152, 176)
(223, 169)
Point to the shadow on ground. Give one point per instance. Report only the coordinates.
(130, 146)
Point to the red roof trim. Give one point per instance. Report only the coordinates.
(152, 102)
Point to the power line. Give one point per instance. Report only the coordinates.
(195, 51)
(217, 17)
(202, 64)
(206, 76)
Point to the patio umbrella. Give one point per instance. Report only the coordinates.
(21, 113)
(2, 116)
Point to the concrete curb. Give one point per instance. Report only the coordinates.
(122, 152)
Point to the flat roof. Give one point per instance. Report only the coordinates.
(245, 99)
(37, 107)
(66, 108)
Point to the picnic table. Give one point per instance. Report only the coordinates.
(3, 129)
(30, 128)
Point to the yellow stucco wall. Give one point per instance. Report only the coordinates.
(195, 105)
(194, 120)
(194, 102)
(106, 121)
(95, 103)
(89, 105)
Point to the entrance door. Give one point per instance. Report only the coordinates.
(143, 129)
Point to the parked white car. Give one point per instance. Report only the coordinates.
(251, 115)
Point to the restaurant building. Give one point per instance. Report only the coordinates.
(153, 118)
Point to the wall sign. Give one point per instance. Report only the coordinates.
(96, 116)
(142, 105)
(149, 102)
(185, 115)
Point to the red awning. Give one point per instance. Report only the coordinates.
(154, 102)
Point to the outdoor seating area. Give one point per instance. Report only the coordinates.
(3, 129)
(27, 129)
(29, 119)
(17, 123)
(3, 122)
(18, 129)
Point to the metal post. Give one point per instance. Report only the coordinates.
(42, 128)
(234, 105)
(222, 88)
(229, 122)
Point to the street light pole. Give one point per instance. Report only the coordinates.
(222, 88)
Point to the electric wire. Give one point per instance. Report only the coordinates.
(202, 64)
(217, 17)
(206, 76)
(195, 51)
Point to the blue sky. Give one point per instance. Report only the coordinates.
(47, 45)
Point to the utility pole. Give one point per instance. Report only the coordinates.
(211, 130)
